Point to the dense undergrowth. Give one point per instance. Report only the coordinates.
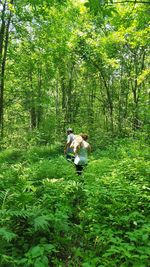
(51, 217)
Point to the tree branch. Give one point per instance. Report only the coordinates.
(134, 2)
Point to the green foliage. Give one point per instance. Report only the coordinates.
(83, 64)
(69, 58)
(10, 156)
(51, 217)
(6, 235)
(100, 7)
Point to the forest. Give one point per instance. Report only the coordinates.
(83, 64)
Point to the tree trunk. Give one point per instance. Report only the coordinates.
(69, 112)
(4, 34)
(109, 101)
(2, 30)
(32, 108)
(39, 111)
(136, 88)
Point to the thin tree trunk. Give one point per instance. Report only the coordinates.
(2, 31)
(39, 111)
(32, 108)
(57, 107)
(136, 88)
(110, 102)
(69, 97)
(108, 94)
(3, 55)
(64, 95)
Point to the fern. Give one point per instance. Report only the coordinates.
(49, 217)
(6, 234)
(42, 222)
(15, 213)
(3, 197)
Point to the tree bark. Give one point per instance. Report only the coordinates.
(32, 108)
(4, 33)
(39, 111)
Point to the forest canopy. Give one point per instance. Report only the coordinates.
(83, 64)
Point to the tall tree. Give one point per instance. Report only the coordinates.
(6, 15)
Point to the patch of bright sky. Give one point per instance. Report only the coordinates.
(80, 1)
(1, 7)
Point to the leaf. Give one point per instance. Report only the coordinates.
(41, 222)
(6, 234)
(86, 264)
(36, 251)
(41, 262)
(49, 247)
(3, 197)
(143, 76)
